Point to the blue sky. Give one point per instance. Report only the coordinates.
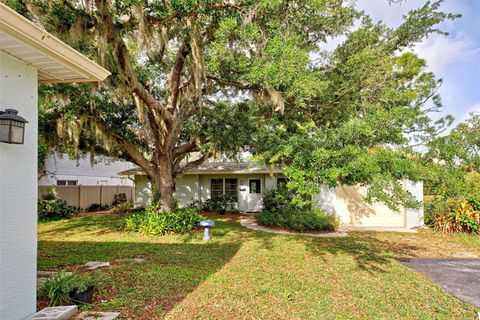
(455, 58)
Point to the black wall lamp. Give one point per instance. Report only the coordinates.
(12, 127)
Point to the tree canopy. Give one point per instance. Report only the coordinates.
(195, 78)
(455, 160)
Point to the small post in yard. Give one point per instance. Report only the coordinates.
(206, 224)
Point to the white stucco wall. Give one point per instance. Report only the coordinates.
(326, 199)
(352, 210)
(346, 202)
(414, 217)
(18, 194)
(143, 191)
(197, 187)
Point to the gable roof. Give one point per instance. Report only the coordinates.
(216, 168)
(55, 60)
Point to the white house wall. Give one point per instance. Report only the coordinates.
(352, 210)
(327, 199)
(143, 191)
(414, 217)
(346, 202)
(104, 170)
(18, 194)
(197, 187)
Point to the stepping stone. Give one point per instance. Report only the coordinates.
(55, 313)
(94, 315)
(92, 265)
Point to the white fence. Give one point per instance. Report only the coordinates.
(84, 196)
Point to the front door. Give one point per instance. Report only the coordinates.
(254, 197)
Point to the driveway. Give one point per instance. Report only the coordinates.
(459, 277)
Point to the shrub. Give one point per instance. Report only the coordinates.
(52, 207)
(122, 207)
(276, 199)
(292, 217)
(55, 209)
(219, 204)
(155, 222)
(57, 288)
(450, 215)
(474, 201)
(96, 207)
(280, 211)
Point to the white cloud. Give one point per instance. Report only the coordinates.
(390, 13)
(442, 51)
(475, 109)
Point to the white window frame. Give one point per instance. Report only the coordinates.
(261, 185)
(68, 183)
(223, 186)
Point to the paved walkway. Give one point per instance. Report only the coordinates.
(250, 223)
(459, 277)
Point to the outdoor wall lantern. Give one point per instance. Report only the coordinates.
(12, 127)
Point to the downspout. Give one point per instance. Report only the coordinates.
(199, 190)
(134, 190)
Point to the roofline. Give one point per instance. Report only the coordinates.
(123, 173)
(233, 172)
(23, 29)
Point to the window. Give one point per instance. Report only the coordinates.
(231, 188)
(255, 186)
(66, 182)
(281, 183)
(216, 188)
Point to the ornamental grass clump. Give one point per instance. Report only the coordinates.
(58, 289)
(154, 222)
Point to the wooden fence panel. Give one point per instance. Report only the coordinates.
(89, 195)
(84, 196)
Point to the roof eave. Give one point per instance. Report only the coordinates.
(28, 32)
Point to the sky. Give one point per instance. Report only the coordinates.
(455, 58)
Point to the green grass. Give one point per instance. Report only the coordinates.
(242, 274)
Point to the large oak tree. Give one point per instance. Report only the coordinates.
(191, 79)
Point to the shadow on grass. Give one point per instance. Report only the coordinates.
(369, 253)
(100, 222)
(145, 289)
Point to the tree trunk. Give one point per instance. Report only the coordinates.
(163, 181)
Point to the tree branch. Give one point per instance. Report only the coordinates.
(193, 164)
(184, 148)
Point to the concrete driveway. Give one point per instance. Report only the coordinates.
(459, 277)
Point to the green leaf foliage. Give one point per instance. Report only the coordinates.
(214, 78)
(153, 222)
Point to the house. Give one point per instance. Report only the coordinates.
(247, 183)
(28, 55)
(60, 170)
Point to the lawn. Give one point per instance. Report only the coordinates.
(242, 274)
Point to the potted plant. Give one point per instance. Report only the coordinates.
(56, 288)
(65, 288)
(81, 290)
